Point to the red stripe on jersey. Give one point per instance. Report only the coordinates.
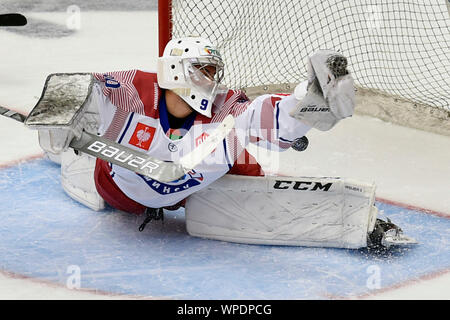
(268, 131)
(119, 89)
(149, 92)
(230, 106)
(116, 125)
(274, 100)
(236, 103)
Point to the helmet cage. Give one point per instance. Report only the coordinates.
(202, 64)
(193, 69)
(200, 80)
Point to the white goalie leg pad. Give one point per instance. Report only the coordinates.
(297, 211)
(55, 158)
(77, 179)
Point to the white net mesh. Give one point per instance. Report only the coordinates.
(401, 47)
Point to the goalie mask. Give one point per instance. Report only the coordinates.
(193, 69)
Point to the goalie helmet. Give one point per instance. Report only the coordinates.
(193, 68)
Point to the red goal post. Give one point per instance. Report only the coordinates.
(164, 23)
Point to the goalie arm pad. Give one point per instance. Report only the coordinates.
(329, 95)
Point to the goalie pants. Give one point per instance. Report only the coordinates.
(111, 193)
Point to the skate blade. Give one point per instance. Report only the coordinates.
(398, 240)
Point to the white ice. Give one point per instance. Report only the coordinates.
(408, 166)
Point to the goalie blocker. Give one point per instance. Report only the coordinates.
(298, 211)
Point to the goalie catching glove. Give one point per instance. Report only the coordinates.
(329, 95)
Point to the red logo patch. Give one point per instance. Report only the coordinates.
(201, 138)
(142, 136)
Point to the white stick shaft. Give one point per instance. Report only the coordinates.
(192, 159)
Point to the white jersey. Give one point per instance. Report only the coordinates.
(133, 113)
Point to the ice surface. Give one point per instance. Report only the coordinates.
(43, 232)
(44, 239)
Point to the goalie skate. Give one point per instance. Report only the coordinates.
(386, 234)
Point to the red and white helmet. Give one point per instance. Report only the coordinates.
(184, 67)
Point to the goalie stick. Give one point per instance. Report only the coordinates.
(140, 162)
(12, 20)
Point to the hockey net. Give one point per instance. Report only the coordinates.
(398, 50)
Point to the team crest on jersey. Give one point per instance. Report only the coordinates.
(142, 136)
(172, 147)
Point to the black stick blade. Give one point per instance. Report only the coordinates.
(12, 20)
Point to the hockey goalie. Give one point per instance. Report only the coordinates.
(169, 113)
